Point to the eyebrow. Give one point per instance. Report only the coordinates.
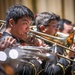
(27, 20)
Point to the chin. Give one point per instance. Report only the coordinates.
(23, 37)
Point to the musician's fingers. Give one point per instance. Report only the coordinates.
(7, 42)
(73, 47)
(71, 54)
(2, 45)
(11, 40)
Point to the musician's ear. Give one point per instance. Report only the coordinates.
(42, 28)
(11, 22)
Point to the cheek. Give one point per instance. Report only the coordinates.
(22, 28)
(53, 30)
(50, 29)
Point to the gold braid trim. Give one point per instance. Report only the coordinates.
(73, 72)
(40, 71)
(33, 67)
(61, 67)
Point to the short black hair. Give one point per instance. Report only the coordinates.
(44, 18)
(18, 11)
(61, 23)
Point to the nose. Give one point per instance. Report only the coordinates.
(56, 28)
(27, 29)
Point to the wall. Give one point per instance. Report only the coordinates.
(64, 8)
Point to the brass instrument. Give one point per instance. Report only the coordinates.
(49, 37)
(25, 53)
(21, 53)
(2, 24)
(31, 52)
(2, 27)
(38, 51)
(52, 39)
(59, 37)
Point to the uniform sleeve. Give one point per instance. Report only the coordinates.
(56, 69)
(26, 69)
(36, 64)
(73, 68)
(2, 71)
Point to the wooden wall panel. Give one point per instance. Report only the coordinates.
(4, 5)
(64, 8)
(17, 1)
(54, 6)
(69, 10)
(28, 3)
(2, 9)
(41, 6)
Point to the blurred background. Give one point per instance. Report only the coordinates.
(64, 8)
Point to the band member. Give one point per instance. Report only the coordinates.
(65, 26)
(47, 23)
(18, 21)
(29, 68)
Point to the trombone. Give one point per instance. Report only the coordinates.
(52, 39)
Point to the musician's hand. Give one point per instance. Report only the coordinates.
(71, 54)
(33, 41)
(8, 41)
(41, 43)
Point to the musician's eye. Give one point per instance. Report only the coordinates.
(54, 26)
